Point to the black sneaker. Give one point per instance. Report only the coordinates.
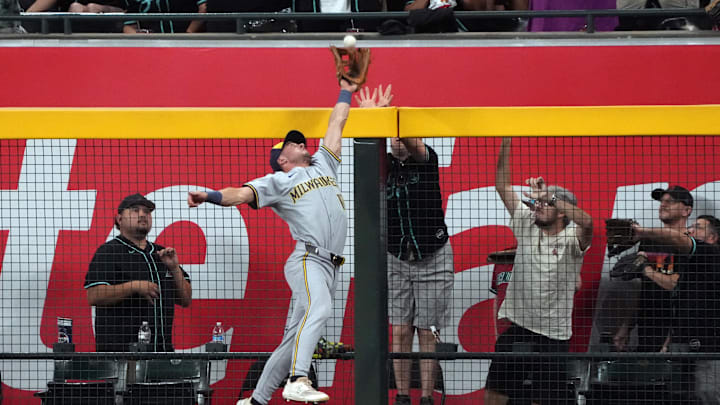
(713, 10)
(426, 401)
(402, 399)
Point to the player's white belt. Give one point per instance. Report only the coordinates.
(337, 260)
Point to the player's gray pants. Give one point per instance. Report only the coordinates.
(312, 281)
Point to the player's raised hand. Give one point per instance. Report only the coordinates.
(196, 198)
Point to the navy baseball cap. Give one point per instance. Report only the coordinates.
(677, 193)
(293, 136)
(135, 199)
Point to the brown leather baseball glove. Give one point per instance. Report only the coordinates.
(620, 235)
(629, 267)
(351, 64)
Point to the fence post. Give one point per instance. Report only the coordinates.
(371, 325)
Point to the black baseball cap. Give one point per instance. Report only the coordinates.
(135, 199)
(293, 136)
(678, 193)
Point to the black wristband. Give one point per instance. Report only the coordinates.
(214, 197)
(345, 97)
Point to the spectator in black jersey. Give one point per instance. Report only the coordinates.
(696, 325)
(699, 308)
(132, 280)
(251, 6)
(165, 26)
(428, 15)
(337, 6)
(655, 307)
(419, 258)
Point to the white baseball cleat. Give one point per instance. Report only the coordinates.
(245, 401)
(302, 391)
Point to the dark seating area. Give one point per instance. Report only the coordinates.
(82, 382)
(464, 16)
(144, 382)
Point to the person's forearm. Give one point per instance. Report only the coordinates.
(502, 173)
(339, 116)
(665, 281)
(41, 5)
(502, 178)
(495, 317)
(100, 295)
(666, 344)
(520, 4)
(575, 214)
(581, 218)
(336, 124)
(129, 29)
(197, 25)
(669, 237)
(416, 148)
(232, 196)
(184, 288)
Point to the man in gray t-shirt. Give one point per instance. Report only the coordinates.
(553, 235)
(305, 194)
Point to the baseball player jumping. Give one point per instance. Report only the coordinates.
(306, 195)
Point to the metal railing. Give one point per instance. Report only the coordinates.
(241, 18)
(351, 355)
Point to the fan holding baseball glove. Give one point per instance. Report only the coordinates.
(621, 236)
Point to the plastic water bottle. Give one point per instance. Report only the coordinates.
(218, 333)
(144, 333)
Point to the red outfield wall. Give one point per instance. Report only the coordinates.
(296, 77)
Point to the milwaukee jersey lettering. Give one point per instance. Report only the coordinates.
(312, 184)
(308, 199)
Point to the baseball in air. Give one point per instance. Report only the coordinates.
(349, 41)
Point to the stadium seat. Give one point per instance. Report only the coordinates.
(81, 382)
(161, 382)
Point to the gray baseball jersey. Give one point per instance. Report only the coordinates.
(309, 200)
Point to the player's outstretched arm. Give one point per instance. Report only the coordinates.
(226, 197)
(338, 117)
(502, 178)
